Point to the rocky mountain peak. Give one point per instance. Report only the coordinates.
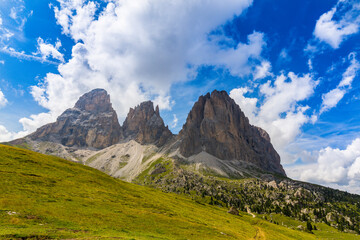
(92, 122)
(145, 125)
(217, 126)
(97, 100)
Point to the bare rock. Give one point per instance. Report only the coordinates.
(330, 217)
(217, 126)
(300, 227)
(92, 122)
(233, 211)
(144, 125)
(302, 193)
(272, 184)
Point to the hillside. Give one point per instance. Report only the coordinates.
(44, 197)
(278, 195)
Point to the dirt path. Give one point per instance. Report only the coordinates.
(260, 235)
(249, 212)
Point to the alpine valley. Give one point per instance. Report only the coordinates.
(219, 178)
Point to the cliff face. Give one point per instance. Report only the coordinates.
(144, 125)
(217, 126)
(92, 122)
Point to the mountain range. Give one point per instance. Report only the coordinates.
(217, 158)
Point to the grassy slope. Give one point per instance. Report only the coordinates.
(55, 198)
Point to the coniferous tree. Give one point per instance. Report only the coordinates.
(309, 226)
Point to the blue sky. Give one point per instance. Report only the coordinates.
(292, 66)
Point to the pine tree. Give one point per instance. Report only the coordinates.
(309, 226)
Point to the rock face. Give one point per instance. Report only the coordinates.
(92, 122)
(217, 126)
(144, 125)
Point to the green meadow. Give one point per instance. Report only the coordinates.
(46, 197)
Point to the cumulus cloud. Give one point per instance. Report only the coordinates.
(280, 113)
(333, 97)
(337, 24)
(247, 104)
(335, 166)
(137, 49)
(47, 50)
(6, 135)
(3, 100)
(262, 70)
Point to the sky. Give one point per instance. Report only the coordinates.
(293, 67)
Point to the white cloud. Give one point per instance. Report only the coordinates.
(3, 100)
(175, 121)
(13, 13)
(333, 97)
(32, 123)
(6, 136)
(5, 34)
(333, 31)
(137, 49)
(284, 55)
(310, 64)
(12, 23)
(263, 70)
(350, 73)
(22, 55)
(11, 30)
(354, 170)
(335, 166)
(47, 50)
(280, 113)
(247, 104)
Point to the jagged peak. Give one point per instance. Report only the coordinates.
(144, 124)
(92, 122)
(97, 100)
(217, 126)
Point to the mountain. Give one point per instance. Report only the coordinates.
(144, 125)
(92, 122)
(218, 158)
(217, 126)
(216, 135)
(45, 197)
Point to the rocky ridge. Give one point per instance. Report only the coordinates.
(144, 125)
(216, 134)
(217, 126)
(92, 122)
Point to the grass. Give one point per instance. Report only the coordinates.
(45, 197)
(323, 230)
(93, 158)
